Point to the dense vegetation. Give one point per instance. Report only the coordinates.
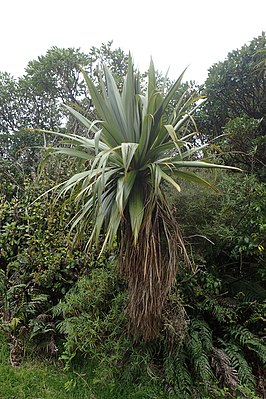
(68, 305)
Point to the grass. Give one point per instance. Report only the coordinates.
(38, 380)
(44, 380)
(35, 382)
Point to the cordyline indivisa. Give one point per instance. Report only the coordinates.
(137, 146)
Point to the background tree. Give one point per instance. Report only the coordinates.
(236, 88)
(35, 100)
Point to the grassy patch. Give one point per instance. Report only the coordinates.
(43, 380)
(36, 380)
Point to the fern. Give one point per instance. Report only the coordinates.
(220, 311)
(199, 346)
(204, 331)
(249, 340)
(135, 363)
(239, 363)
(258, 316)
(177, 374)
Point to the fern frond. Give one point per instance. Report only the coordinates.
(177, 373)
(247, 339)
(219, 312)
(199, 347)
(240, 364)
(58, 309)
(204, 331)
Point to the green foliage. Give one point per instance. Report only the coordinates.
(18, 301)
(240, 364)
(57, 75)
(246, 338)
(115, 59)
(199, 346)
(33, 240)
(90, 317)
(37, 266)
(245, 145)
(19, 305)
(226, 229)
(228, 288)
(241, 222)
(177, 373)
(214, 349)
(22, 107)
(235, 87)
(236, 107)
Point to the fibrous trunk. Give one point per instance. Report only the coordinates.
(150, 267)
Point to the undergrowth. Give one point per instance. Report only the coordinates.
(203, 351)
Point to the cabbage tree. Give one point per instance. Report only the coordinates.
(137, 149)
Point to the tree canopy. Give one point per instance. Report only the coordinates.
(236, 86)
(236, 89)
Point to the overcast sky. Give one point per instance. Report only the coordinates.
(175, 33)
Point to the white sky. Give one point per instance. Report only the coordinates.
(175, 33)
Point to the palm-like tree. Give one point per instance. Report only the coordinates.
(120, 191)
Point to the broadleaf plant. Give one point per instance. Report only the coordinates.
(137, 146)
